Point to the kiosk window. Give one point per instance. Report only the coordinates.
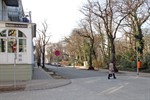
(22, 45)
(3, 33)
(11, 43)
(21, 34)
(2, 45)
(13, 40)
(12, 32)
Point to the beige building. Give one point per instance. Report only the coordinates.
(16, 41)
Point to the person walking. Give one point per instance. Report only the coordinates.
(39, 62)
(111, 71)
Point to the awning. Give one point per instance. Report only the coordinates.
(11, 3)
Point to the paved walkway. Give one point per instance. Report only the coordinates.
(41, 80)
(39, 73)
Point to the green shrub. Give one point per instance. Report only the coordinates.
(127, 61)
(146, 62)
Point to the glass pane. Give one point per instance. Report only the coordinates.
(21, 34)
(3, 33)
(12, 32)
(2, 45)
(11, 42)
(22, 45)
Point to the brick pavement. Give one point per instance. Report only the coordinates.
(42, 80)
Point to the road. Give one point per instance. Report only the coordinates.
(73, 73)
(89, 85)
(125, 87)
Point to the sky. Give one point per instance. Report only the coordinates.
(62, 16)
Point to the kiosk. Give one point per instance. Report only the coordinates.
(16, 41)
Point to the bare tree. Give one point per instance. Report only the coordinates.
(103, 45)
(88, 31)
(138, 13)
(146, 33)
(37, 48)
(43, 40)
(76, 47)
(50, 53)
(111, 19)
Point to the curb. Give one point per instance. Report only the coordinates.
(46, 84)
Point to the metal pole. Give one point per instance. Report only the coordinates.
(30, 17)
(137, 60)
(15, 57)
(57, 63)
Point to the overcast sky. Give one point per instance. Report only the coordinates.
(62, 15)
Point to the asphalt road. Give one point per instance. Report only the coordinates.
(89, 85)
(125, 87)
(73, 73)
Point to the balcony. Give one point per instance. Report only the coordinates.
(11, 3)
(15, 16)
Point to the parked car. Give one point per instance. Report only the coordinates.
(58, 64)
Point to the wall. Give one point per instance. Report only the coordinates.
(23, 72)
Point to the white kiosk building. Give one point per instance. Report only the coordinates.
(16, 42)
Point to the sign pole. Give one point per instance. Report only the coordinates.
(15, 58)
(57, 62)
(57, 53)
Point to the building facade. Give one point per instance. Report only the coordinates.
(16, 42)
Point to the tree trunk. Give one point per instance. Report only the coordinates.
(90, 58)
(113, 54)
(43, 57)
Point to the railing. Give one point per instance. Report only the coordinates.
(15, 16)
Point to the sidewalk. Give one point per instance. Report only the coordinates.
(41, 80)
(141, 74)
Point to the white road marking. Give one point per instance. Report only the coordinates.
(116, 89)
(112, 89)
(107, 90)
(126, 83)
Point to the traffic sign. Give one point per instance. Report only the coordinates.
(57, 52)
